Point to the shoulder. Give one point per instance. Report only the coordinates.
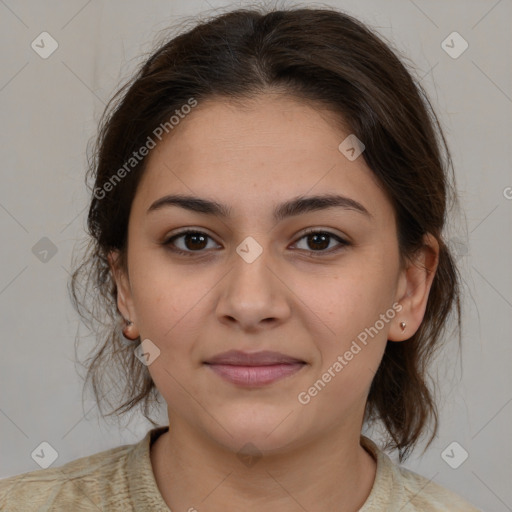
(398, 488)
(425, 495)
(87, 483)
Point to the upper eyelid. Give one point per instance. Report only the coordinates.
(186, 231)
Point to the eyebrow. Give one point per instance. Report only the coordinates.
(295, 206)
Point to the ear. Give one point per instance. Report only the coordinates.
(124, 293)
(414, 286)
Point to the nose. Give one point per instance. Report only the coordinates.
(253, 297)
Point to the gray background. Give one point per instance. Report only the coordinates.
(50, 108)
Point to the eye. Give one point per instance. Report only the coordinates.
(193, 241)
(320, 240)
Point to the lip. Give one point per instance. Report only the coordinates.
(254, 369)
(263, 358)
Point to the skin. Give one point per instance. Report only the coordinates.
(302, 299)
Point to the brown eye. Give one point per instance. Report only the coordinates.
(320, 241)
(195, 241)
(190, 241)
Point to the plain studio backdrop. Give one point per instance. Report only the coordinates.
(50, 107)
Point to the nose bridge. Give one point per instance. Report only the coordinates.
(252, 291)
(251, 274)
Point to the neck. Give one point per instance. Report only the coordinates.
(331, 473)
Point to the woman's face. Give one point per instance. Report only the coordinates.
(251, 281)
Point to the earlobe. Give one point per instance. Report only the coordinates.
(414, 289)
(399, 330)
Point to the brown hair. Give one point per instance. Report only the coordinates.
(319, 55)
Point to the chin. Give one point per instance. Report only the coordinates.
(263, 432)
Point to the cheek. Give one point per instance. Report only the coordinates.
(350, 355)
(158, 309)
(166, 296)
(352, 299)
(170, 314)
(356, 305)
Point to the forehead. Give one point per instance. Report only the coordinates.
(258, 153)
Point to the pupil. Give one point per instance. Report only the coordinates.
(195, 237)
(323, 244)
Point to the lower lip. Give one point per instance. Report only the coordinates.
(253, 376)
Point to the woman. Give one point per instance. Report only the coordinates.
(270, 192)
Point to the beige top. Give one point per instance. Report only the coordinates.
(122, 479)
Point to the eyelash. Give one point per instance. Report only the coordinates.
(343, 243)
